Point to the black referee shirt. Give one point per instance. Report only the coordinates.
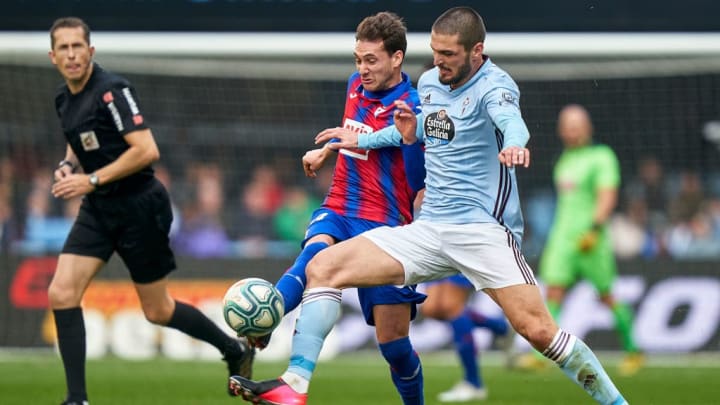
(95, 121)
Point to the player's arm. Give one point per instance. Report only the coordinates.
(606, 198)
(314, 160)
(142, 152)
(503, 106)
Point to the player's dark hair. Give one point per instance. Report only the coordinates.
(68, 22)
(385, 26)
(463, 21)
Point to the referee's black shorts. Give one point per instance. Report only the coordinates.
(136, 225)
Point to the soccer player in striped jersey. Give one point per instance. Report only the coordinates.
(470, 221)
(369, 189)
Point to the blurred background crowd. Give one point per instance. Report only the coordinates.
(661, 214)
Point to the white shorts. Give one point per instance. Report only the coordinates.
(485, 253)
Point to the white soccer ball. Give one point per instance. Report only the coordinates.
(253, 307)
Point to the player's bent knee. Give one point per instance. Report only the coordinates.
(320, 272)
(157, 315)
(61, 297)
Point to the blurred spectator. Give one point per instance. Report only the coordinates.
(694, 239)
(45, 231)
(686, 204)
(163, 175)
(291, 219)
(649, 185)
(9, 228)
(202, 233)
(631, 233)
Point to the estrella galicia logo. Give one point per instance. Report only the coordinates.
(439, 128)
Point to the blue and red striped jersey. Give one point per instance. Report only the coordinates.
(372, 184)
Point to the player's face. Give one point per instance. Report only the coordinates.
(71, 54)
(378, 69)
(455, 65)
(574, 127)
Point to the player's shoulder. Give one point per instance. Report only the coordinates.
(603, 152)
(105, 80)
(495, 77)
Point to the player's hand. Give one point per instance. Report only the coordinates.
(61, 172)
(345, 138)
(588, 240)
(72, 185)
(515, 156)
(313, 160)
(405, 122)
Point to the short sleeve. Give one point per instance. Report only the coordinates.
(120, 102)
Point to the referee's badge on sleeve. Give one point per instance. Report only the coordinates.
(89, 141)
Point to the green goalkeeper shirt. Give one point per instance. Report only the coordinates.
(578, 175)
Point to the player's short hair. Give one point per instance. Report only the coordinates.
(68, 22)
(463, 21)
(386, 26)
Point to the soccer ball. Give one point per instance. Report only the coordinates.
(253, 307)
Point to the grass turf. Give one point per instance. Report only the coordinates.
(350, 379)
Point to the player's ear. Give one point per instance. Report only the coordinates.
(92, 51)
(478, 49)
(397, 58)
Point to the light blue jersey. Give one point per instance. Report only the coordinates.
(464, 130)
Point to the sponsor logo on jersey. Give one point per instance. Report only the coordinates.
(131, 101)
(116, 116)
(353, 95)
(379, 110)
(89, 141)
(360, 128)
(439, 128)
(426, 99)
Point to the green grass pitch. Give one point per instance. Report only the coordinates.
(360, 378)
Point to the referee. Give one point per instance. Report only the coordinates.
(108, 160)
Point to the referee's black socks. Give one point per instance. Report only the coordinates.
(70, 327)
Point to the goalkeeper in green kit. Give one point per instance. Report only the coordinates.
(586, 177)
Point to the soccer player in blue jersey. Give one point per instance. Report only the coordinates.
(369, 189)
(470, 221)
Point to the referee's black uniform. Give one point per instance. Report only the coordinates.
(131, 215)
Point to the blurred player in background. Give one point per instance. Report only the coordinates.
(587, 178)
(369, 189)
(447, 300)
(124, 208)
(470, 221)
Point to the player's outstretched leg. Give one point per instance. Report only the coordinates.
(319, 311)
(236, 353)
(581, 365)
(292, 283)
(291, 286)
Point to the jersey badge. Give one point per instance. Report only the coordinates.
(89, 141)
(465, 103)
(507, 98)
